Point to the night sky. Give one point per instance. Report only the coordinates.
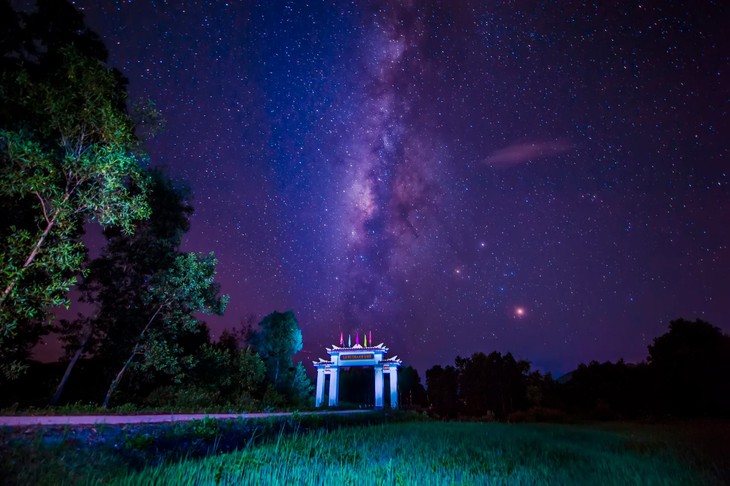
(454, 176)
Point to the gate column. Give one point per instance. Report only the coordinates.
(393, 386)
(334, 386)
(379, 386)
(320, 388)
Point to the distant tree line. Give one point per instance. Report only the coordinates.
(687, 374)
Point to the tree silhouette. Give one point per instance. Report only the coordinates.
(410, 390)
(691, 363)
(442, 390)
(492, 383)
(118, 278)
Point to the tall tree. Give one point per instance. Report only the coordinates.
(410, 388)
(117, 277)
(68, 155)
(92, 173)
(691, 363)
(224, 376)
(443, 388)
(277, 340)
(301, 387)
(610, 390)
(492, 383)
(186, 288)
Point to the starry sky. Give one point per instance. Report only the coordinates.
(454, 176)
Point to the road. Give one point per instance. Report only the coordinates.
(25, 421)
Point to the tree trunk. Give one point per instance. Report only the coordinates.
(69, 368)
(118, 378)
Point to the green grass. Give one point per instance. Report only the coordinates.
(376, 448)
(80, 408)
(74, 454)
(447, 453)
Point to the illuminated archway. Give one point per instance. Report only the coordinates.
(357, 355)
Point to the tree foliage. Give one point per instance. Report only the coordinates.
(443, 391)
(410, 390)
(691, 363)
(186, 288)
(610, 390)
(493, 383)
(68, 155)
(225, 376)
(276, 341)
(481, 385)
(116, 280)
(301, 387)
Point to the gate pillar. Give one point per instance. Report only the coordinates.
(379, 387)
(334, 398)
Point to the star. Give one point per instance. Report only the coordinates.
(409, 165)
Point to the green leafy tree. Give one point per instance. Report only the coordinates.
(187, 287)
(92, 173)
(242, 379)
(117, 279)
(68, 155)
(301, 386)
(276, 340)
(249, 377)
(225, 376)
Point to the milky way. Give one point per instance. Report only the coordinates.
(389, 183)
(453, 176)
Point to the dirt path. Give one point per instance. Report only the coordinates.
(24, 421)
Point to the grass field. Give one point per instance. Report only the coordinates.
(446, 453)
(367, 449)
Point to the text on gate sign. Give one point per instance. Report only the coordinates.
(349, 357)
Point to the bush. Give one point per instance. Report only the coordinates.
(188, 397)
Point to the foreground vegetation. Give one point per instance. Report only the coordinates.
(377, 449)
(62, 454)
(445, 453)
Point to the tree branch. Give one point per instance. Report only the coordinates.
(33, 253)
(43, 207)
